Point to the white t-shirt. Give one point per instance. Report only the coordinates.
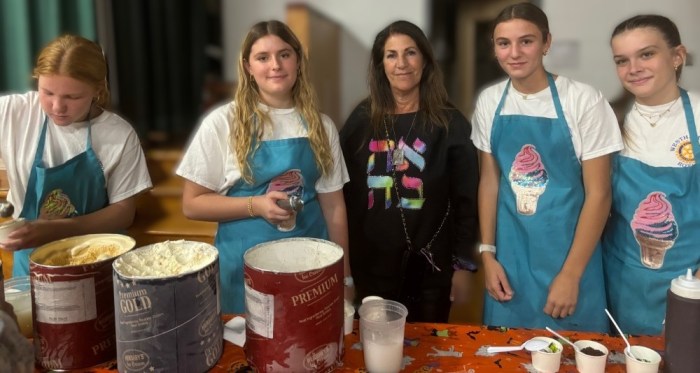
(591, 120)
(668, 143)
(211, 163)
(114, 141)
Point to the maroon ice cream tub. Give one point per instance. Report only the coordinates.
(294, 305)
(73, 311)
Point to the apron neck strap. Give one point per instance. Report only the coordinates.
(552, 87)
(690, 120)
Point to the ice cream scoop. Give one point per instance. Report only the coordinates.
(530, 345)
(6, 209)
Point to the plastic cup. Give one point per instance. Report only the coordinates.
(382, 324)
(10, 226)
(18, 292)
(586, 363)
(651, 365)
(349, 312)
(547, 362)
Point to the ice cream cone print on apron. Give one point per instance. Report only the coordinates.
(652, 234)
(539, 201)
(76, 187)
(528, 179)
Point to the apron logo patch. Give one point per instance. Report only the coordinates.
(683, 149)
(528, 179)
(57, 205)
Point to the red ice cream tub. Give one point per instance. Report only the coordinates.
(294, 305)
(72, 294)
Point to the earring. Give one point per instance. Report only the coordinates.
(545, 52)
(675, 68)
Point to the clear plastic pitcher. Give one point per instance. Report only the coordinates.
(382, 325)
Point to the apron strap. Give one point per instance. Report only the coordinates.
(690, 119)
(39, 153)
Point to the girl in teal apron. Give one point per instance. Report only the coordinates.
(654, 227)
(78, 186)
(273, 158)
(279, 146)
(637, 287)
(533, 240)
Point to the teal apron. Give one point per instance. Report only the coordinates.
(637, 288)
(74, 188)
(533, 243)
(233, 238)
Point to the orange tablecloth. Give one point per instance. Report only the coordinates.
(456, 348)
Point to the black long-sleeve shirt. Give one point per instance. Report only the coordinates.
(442, 167)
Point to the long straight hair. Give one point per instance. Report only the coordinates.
(248, 120)
(433, 95)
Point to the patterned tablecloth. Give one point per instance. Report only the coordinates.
(457, 348)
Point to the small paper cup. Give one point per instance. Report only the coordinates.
(547, 362)
(10, 226)
(588, 363)
(651, 365)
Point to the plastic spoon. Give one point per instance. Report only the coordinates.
(563, 339)
(629, 348)
(530, 345)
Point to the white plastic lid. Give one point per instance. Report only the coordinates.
(371, 297)
(686, 286)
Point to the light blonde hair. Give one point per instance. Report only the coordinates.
(79, 58)
(246, 127)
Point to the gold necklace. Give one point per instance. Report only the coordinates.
(649, 117)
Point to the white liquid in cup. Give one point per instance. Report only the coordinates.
(382, 325)
(18, 294)
(383, 358)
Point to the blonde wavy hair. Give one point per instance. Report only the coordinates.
(79, 58)
(247, 125)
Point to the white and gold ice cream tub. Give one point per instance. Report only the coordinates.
(168, 308)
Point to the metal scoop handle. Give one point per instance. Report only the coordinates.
(293, 203)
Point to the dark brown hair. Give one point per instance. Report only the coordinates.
(433, 95)
(668, 30)
(525, 11)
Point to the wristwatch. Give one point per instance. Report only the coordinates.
(348, 281)
(486, 247)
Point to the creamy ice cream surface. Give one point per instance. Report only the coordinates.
(168, 258)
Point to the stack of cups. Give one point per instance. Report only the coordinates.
(382, 325)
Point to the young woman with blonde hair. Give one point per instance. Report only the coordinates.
(270, 144)
(74, 167)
